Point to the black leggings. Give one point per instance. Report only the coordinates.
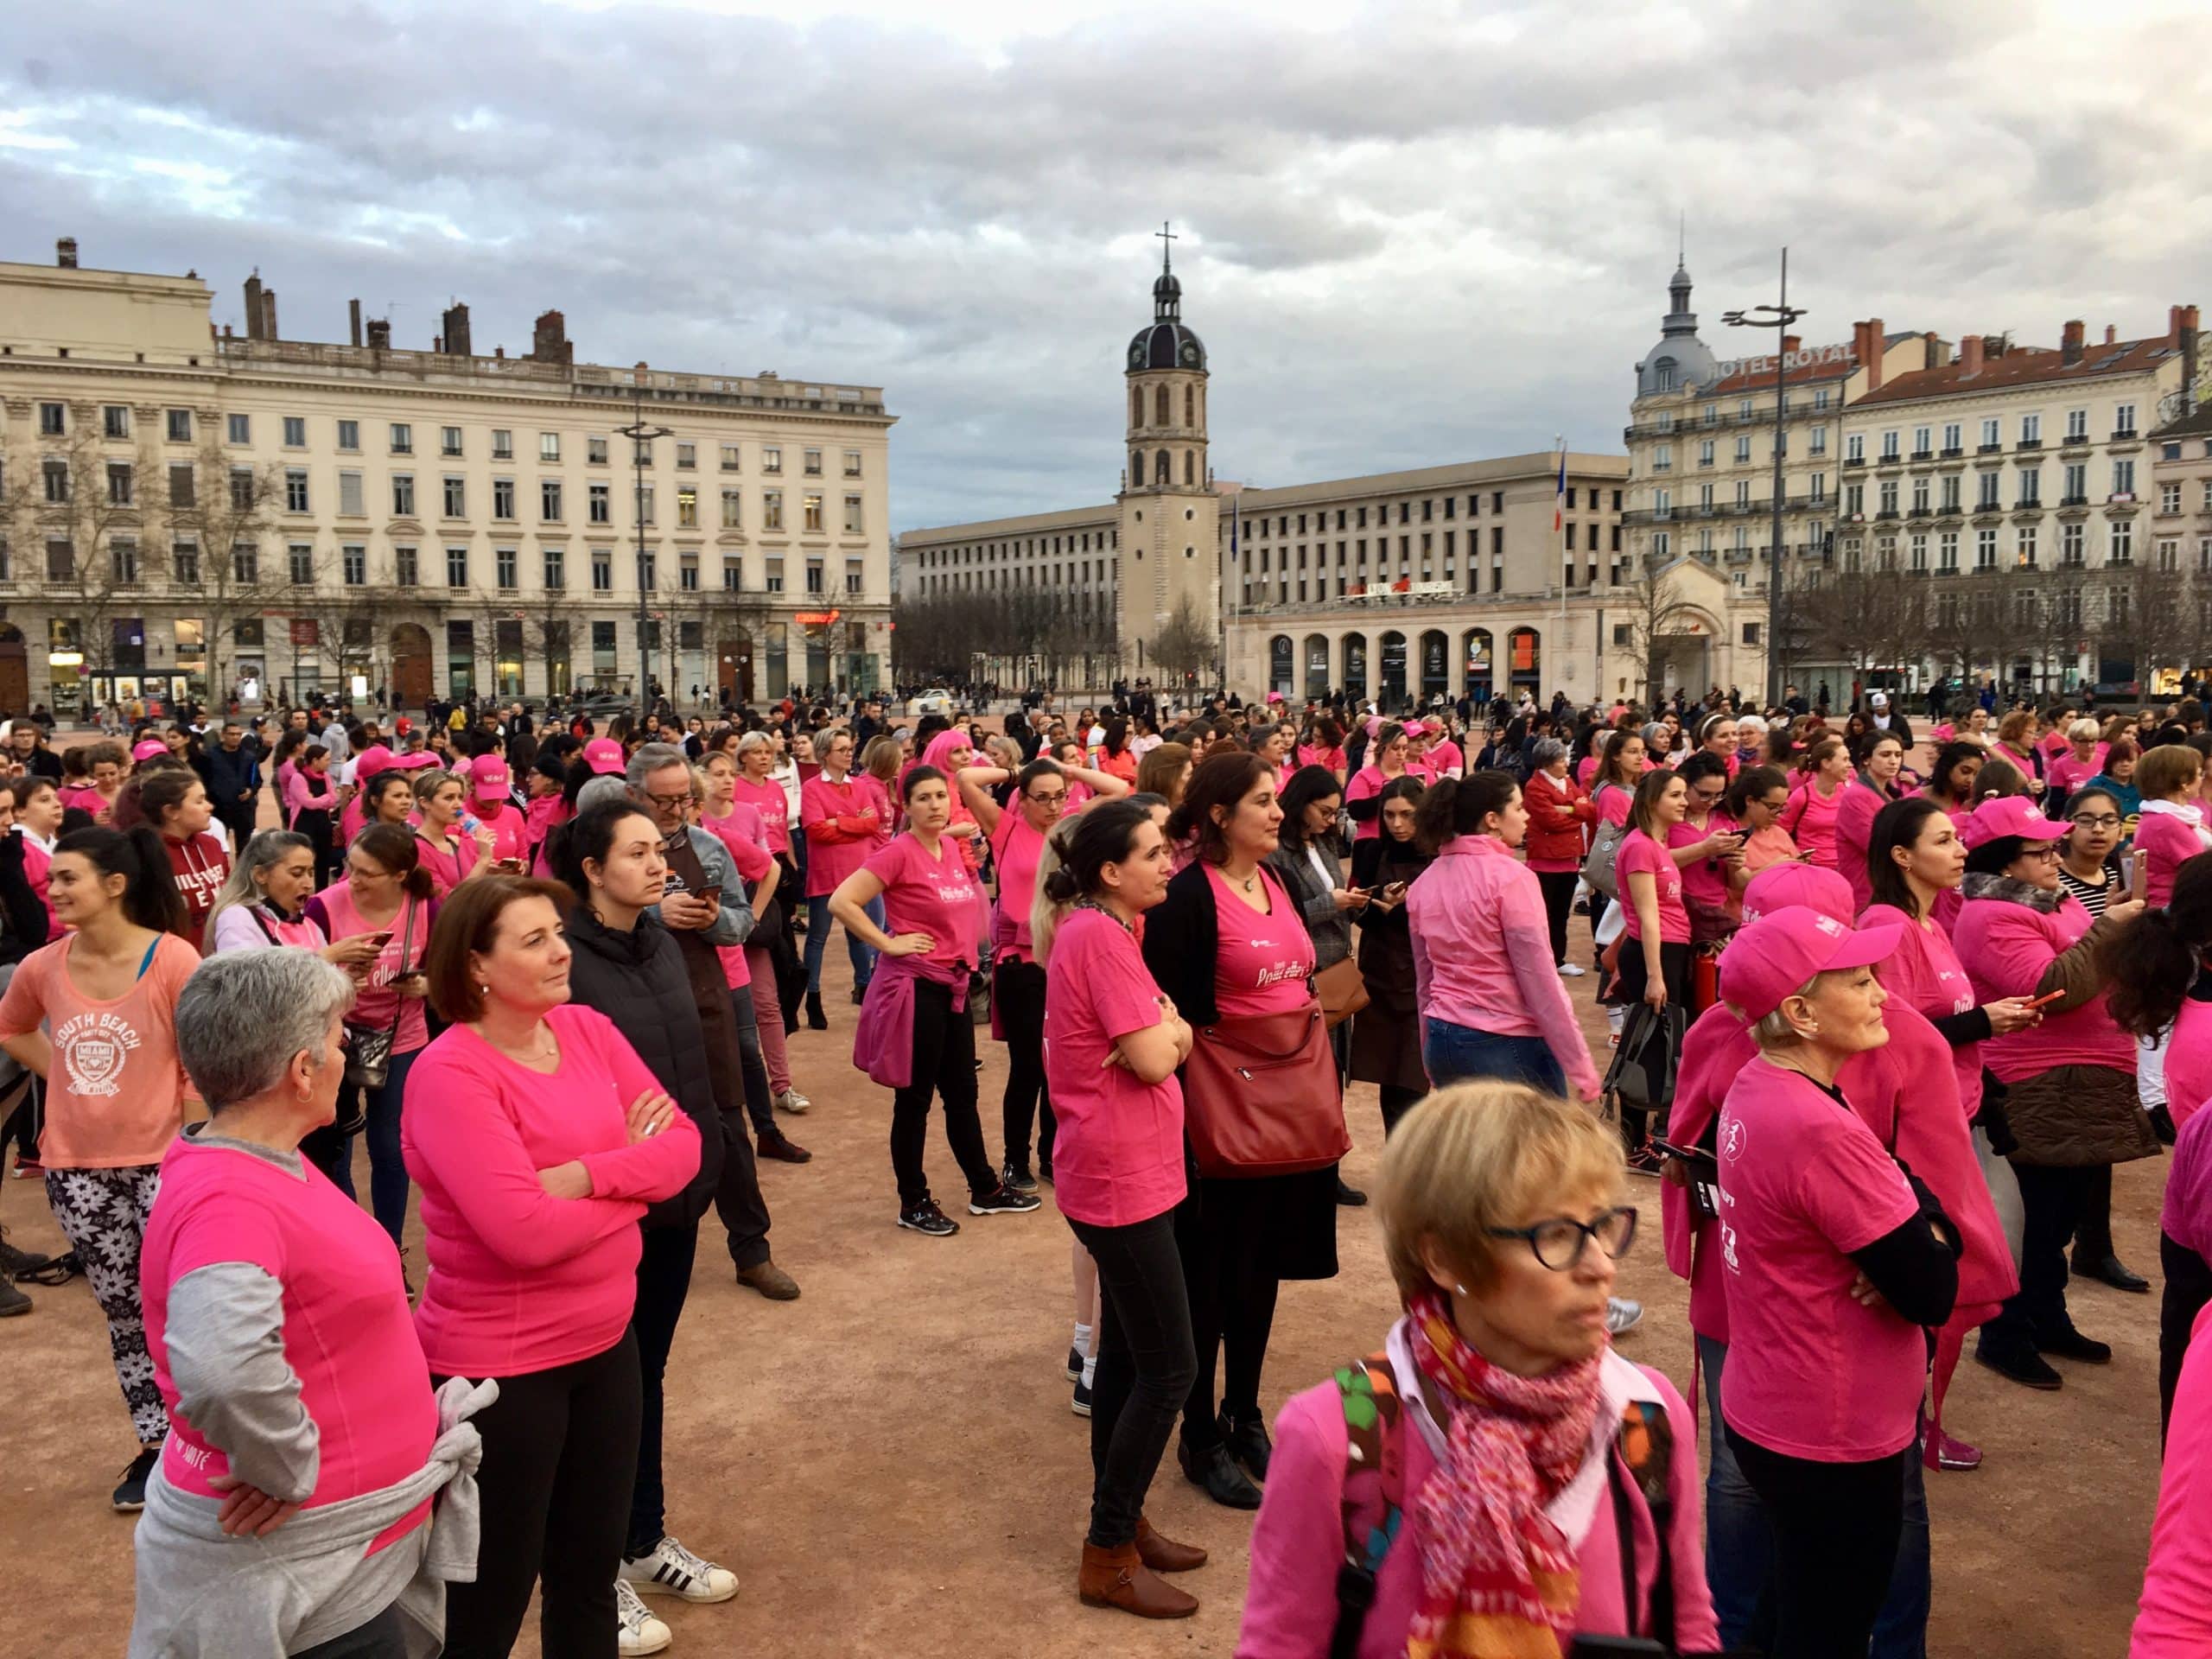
(664, 1280)
(2051, 1196)
(1396, 1102)
(2189, 1286)
(1019, 989)
(1835, 1528)
(383, 1637)
(1146, 1366)
(1232, 1287)
(559, 1468)
(945, 1064)
(1558, 903)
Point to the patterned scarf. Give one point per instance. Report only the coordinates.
(1498, 1578)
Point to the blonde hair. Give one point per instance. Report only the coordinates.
(2083, 731)
(1044, 916)
(1479, 1156)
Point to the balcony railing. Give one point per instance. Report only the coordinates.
(2030, 443)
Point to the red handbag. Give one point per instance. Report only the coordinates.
(1261, 1096)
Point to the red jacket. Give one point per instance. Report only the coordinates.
(1558, 811)
(199, 866)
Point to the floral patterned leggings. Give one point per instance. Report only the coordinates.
(103, 1212)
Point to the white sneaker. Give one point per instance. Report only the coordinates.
(637, 1632)
(1622, 1315)
(1572, 971)
(792, 1102)
(671, 1569)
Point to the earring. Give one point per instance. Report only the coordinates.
(484, 986)
(1462, 1289)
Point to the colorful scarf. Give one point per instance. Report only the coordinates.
(1498, 1578)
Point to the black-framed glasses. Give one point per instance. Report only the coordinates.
(1050, 798)
(2096, 820)
(1559, 1241)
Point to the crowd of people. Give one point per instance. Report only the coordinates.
(1881, 1016)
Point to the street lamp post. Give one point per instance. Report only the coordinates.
(640, 435)
(1779, 318)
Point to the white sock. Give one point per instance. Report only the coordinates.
(1090, 1369)
(1082, 1340)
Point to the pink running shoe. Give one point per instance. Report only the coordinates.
(1940, 1452)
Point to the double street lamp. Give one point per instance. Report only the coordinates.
(1779, 318)
(640, 436)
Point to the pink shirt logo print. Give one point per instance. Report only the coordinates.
(93, 1047)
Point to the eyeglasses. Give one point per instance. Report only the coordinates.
(2045, 852)
(1558, 1242)
(1050, 798)
(1709, 795)
(2097, 820)
(670, 803)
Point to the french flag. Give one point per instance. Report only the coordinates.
(1559, 495)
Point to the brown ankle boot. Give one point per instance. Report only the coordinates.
(1164, 1554)
(1117, 1578)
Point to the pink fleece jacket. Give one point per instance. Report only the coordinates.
(1298, 1542)
(520, 1281)
(2175, 1619)
(1483, 955)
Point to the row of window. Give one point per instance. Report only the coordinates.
(1576, 496)
(1194, 410)
(2028, 433)
(1662, 455)
(237, 428)
(1354, 550)
(1946, 496)
(304, 566)
(1746, 408)
(2073, 550)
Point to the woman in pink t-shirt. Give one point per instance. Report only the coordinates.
(1951, 780)
(843, 823)
(1114, 1044)
(1655, 945)
(1757, 799)
(1881, 756)
(449, 853)
(2079, 758)
(1809, 819)
(1836, 1262)
(914, 1026)
(93, 1015)
(1389, 753)
(539, 1139)
(387, 896)
(1016, 833)
(2069, 1079)
(1708, 849)
(280, 1338)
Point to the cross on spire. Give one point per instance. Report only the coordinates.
(1168, 240)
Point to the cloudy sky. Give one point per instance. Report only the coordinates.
(1410, 233)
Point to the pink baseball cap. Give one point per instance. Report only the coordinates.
(1805, 886)
(492, 780)
(604, 756)
(2009, 815)
(419, 760)
(1773, 958)
(371, 760)
(147, 747)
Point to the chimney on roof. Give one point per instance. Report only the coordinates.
(253, 306)
(1790, 343)
(549, 340)
(2186, 338)
(1869, 341)
(379, 334)
(437, 344)
(64, 252)
(2111, 334)
(1970, 353)
(269, 314)
(456, 328)
(2070, 349)
(1932, 354)
(2173, 325)
(353, 316)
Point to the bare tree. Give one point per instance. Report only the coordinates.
(2150, 618)
(1655, 609)
(82, 502)
(1186, 646)
(218, 516)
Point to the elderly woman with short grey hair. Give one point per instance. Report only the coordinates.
(1561, 815)
(290, 1510)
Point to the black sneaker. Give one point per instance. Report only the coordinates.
(774, 1144)
(927, 1218)
(1075, 1365)
(20, 1264)
(130, 1495)
(2018, 1361)
(1351, 1197)
(2070, 1344)
(1018, 1177)
(1080, 1403)
(1004, 1202)
(12, 1301)
(1645, 1160)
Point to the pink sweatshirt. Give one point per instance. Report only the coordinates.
(838, 837)
(2167, 837)
(519, 1280)
(1854, 829)
(1809, 818)
(2175, 1619)
(307, 793)
(2006, 948)
(1298, 1541)
(1483, 955)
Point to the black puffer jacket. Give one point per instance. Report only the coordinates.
(636, 979)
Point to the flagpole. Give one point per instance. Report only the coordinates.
(1559, 549)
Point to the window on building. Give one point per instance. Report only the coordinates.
(1986, 486)
(852, 463)
(179, 425)
(1920, 494)
(122, 553)
(2023, 547)
(296, 489)
(184, 564)
(733, 509)
(239, 429)
(687, 509)
(1984, 550)
(2077, 426)
(600, 505)
(648, 572)
(184, 491)
(456, 567)
(773, 575)
(449, 440)
(556, 570)
(2072, 542)
(687, 456)
(402, 438)
(2031, 486)
(1743, 450)
(2030, 429)
(2169, 498)
(2123, 420)
(1817, 442)
(1854, 447)
(771, 510)
(456, 497)
(1954, 439)
(2122, 543)
(548, 500)
(353, 561)
(403, 495)
(1889, 446)
(245, 488)
(734, 574)
(2123, 478)
(2077, 484)
(299, 557)
(295, 432)
(732, 455)
(503, 498)
(602, 571)
(856, 578)
(646, 505)
(503, 443)
(687, 573)
(548, 446)
(503, 563)
(1662, 458)
(349, 436)
(771, 458)
(406, 567)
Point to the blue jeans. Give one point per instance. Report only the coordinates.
(1462, 1054)
(1738, 1549)
(387, 1173)
(818, 941)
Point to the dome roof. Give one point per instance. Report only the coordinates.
(1167, 346)
(1679, 358)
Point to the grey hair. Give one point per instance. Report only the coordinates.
(651, 758)
(1547, 749)
(1773, 1030)
(605, 787)
(243, 1015)
(754, 740)
(1654, 737)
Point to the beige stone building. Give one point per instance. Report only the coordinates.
(2181, 528)
(187, 513)
(2017, 481)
